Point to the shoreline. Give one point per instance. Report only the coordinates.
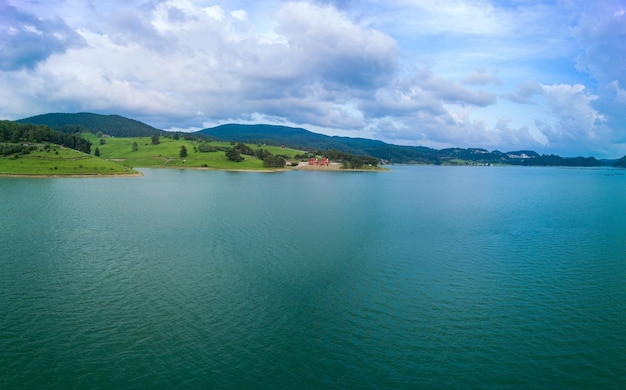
(333, 168)
(73, 176)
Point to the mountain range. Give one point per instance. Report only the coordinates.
(299, 138)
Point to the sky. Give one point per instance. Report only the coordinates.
(543, 75)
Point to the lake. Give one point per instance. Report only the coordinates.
(422, 277)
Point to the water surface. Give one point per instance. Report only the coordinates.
(423, 277)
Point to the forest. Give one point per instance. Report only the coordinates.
(17, 138)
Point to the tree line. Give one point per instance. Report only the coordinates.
(16, 133)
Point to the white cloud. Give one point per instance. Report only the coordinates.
(601, 32)
(620, 93)
(334, 49)
(573, 118)
(525, 92)
(480, 76)
(476, 73)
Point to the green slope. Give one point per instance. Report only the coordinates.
(50, 159)
(166, 154)
(301, 138)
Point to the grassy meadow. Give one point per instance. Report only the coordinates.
(118, 157)
(57, 160)
(167, 153)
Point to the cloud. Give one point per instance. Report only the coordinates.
(408, 71)
(601, 32)
(525, 92)
(572, 118)
(183, 58)
(26, 40)
(481, 77)
(334, 49)
(452, 92)
(620, 93)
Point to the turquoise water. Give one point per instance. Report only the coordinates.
(423, 277)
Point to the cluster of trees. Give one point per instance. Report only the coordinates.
(235, 153)
(269, 160)
(186, 136)
(205, 148)
(5, 150)
(12, 132)
(348, 160)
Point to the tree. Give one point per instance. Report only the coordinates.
(203, 148)
(274, 162)
(234, 155)
(155, 140)
(261, 154)
(183, 151)
(15, 137)
(356, 163)
(244, 149)
(97, 152)
(135, 147)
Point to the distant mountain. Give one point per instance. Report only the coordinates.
(113, 125)
(299, 138)
(303, 139)
(621, 163)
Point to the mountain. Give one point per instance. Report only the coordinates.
(113, 125)
(300, 138)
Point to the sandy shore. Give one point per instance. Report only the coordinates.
(333, 166)
(69, 176)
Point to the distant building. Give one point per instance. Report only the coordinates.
(322, 161)
(523, 155)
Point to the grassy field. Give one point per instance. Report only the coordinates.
(56, 160)
(118, 157)
(167, 153)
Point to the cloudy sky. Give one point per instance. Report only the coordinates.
(547, 75)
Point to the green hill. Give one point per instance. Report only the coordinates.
(113, 125)
(50, 159)
(301, 138)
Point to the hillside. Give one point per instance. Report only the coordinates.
(298, 138)
(113, 125)
(55, 160)
(301, 138)
(142, 152)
